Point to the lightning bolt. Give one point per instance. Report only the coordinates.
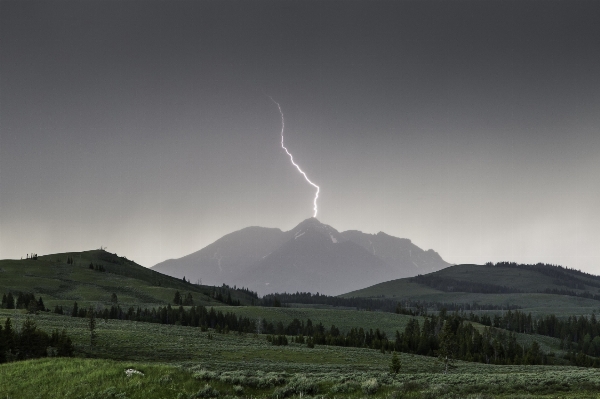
(292, 158)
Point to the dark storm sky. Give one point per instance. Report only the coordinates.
(470, 127)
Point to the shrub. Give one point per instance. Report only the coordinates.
(110, 392)
(344, 387)
(238, 389)
(165, 379)
(204, 375)
(207, 392)
(410, 386)
(299, 385)
(370, 386)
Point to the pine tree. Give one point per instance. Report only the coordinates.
(10, 301)
(32, 343)
(448, 345)
(32, 307)
(189, 300)
(62, 342)
(40, 305)
(534, 354)
(9, 335)
(177, 299)
(92, 326)
(395, 366)
(75, 310)
(3, 346)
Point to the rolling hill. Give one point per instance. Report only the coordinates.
(62, 283)
(311, 257)
(539, 288)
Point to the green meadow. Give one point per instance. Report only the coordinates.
(184, 362)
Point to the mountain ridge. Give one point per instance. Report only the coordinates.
(312, 257)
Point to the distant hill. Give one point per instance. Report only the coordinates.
(311, 257)
(60, 282)
(540, 286)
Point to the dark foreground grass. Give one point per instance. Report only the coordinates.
(102, 378)
(92, 378)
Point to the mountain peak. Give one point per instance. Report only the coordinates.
(310, 222)
(313, 225)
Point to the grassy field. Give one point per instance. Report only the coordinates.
(179, 362)
(59, 283)
(125, 340)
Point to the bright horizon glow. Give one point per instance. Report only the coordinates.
(292, 158)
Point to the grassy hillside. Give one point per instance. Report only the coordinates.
(179, 362)
(61, 283)
(525, 288)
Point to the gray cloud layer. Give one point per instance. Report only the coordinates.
(469, 127)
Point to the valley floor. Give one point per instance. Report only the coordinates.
(184, 362)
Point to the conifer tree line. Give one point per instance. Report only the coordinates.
(455, 338)
(409, 307)
(193, 316)
(22, 301)
(30, 342)
(577, 334)
(451, 338)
